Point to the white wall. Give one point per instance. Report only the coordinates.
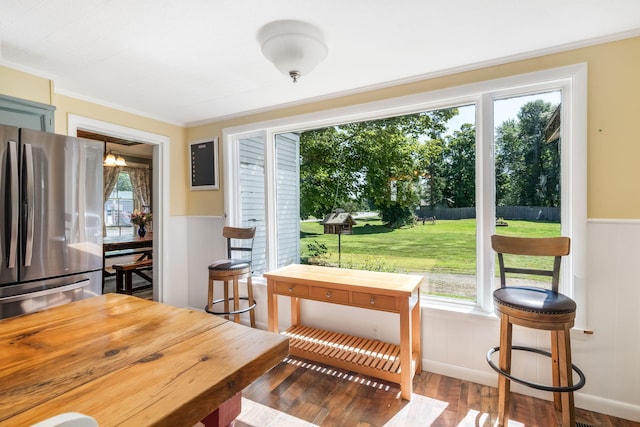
(455, 342)
(176, 272)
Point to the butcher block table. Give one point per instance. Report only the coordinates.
(391, 292)
(129, 362)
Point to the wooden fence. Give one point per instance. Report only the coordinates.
(528, 213)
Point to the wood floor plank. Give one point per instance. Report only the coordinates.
(326, 396)
(463, 402)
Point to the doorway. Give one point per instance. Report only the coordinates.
(145, 147)
(127, 178)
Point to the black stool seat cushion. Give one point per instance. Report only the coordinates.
(534, 300)
(229, 264)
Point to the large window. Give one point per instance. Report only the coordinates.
(501, 164)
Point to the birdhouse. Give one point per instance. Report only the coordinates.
(338, 223)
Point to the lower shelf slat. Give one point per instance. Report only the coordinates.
(366, 356)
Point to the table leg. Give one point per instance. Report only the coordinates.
(226, 413)
(128, 283)
(295, 311)
(119, 281)
(416, 334)
(272, 307)
(406, 373)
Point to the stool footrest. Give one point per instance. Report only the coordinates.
(226, 313)
(537, 386)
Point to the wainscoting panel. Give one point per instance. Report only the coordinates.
(206, 245)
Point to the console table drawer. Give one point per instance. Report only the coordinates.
(379, 302)
(330, 295)
(292, 289)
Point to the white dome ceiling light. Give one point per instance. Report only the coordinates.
(294, 47)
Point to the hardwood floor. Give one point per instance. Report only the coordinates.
(301, 393)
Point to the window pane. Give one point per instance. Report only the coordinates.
(399, 169)
(448, 210)
(527, 159)
(252, 196)
(119, 206)
(288, 198)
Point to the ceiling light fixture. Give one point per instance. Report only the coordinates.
(294, 47)
(111, 160)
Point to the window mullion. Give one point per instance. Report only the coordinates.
(270, 201)
(485, 197)
(231, 154)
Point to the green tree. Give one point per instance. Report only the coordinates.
(527, 167)
(328, 178)
(459, 168)
(508, 160)
(380, 161)
(431, 185)
(124, 182)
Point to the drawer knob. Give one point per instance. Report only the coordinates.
(372, 300)
(290, 288)
(328, 294)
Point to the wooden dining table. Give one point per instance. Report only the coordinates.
(129, 362)
(117, 243)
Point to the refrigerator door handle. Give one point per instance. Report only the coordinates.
(15, 205)
(29, 203)
(29, 295)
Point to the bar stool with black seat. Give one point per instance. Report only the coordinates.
(536, 308)
(234, 270)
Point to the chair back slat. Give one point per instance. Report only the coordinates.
(535, 246)
(555, 247)
(236, 236)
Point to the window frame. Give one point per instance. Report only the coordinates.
(571, 79)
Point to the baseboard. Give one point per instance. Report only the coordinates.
(622, 410)
(589, 402)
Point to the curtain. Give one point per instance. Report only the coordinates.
(110, 179)
(140, 182)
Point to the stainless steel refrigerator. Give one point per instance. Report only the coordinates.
(51, 216)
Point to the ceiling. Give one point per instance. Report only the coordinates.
(188, 62)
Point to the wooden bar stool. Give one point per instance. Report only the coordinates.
(234, 269)
(536, 308)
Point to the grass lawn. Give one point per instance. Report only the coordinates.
(444, 247)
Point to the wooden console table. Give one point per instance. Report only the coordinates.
(395, 293)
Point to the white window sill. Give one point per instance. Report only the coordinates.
(446, 306)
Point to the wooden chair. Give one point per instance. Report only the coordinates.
(234, 269)
(537, 308)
